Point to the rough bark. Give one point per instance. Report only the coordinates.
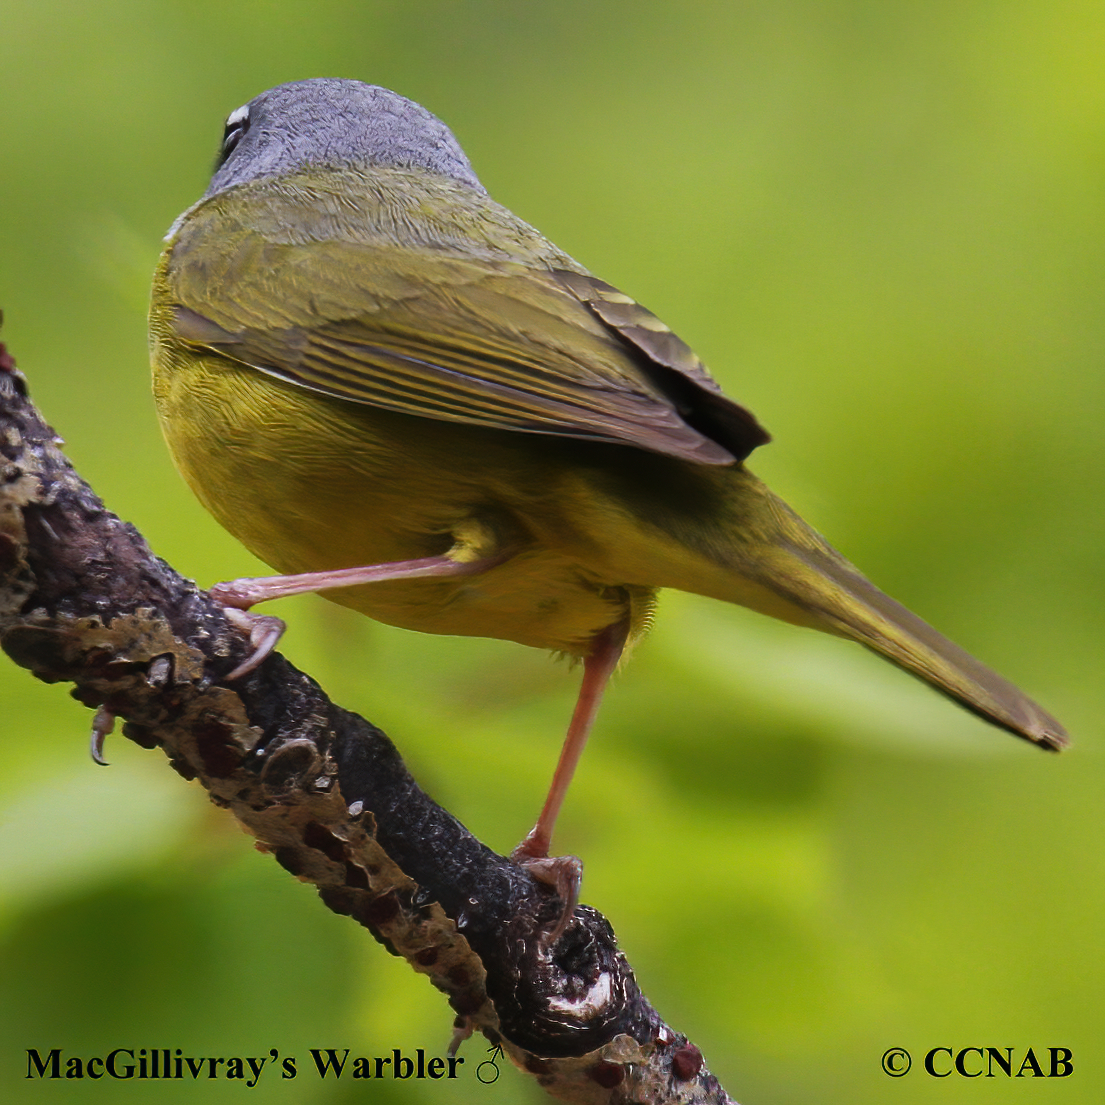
(84, 601)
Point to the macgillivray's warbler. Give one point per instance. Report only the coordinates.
(390, 388)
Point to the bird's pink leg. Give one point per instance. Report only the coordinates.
(565, 873)
(264, 632)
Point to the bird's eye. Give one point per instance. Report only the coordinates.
(237, 123)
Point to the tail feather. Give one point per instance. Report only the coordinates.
(853, 607)
(764, 556)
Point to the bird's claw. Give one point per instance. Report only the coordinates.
(264, 632)
(462, 1029)
(102, 724)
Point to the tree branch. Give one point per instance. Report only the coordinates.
(83, 600)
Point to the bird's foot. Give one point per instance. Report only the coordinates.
(102, 724)
(563, 873)
(263, 630)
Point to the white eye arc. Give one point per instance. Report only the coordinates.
(237, 123)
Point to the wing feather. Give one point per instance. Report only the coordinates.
(489, 341)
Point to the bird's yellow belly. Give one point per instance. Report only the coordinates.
(307, 483)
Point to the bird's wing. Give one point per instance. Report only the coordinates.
(490, 342)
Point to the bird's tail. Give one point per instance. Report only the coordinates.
(782, 567)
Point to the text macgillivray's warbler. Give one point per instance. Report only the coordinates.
(362, 362)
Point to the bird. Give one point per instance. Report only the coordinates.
(396, 392)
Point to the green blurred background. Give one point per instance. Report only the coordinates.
(882, 226)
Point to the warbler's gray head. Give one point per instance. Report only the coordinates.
(334, 123)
